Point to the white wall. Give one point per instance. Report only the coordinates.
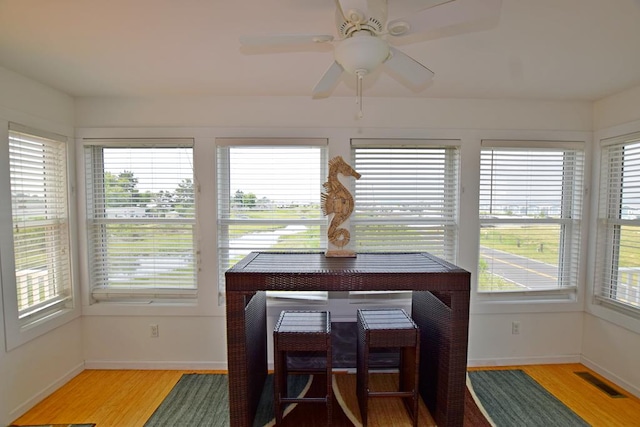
(198, 339)
(612, 350)
(33, 370)
(543, 339)
(617, 110)
(184, 342)
(295, 114)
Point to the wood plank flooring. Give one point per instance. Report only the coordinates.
(114, 398)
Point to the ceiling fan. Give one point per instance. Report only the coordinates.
(363, 38)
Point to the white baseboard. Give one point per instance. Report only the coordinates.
(155, 364)
(46, 391)
(635, 390)
(514, 361)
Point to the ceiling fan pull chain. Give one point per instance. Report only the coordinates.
(359, 76)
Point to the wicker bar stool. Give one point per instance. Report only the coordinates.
(388, 328)
(307, 332)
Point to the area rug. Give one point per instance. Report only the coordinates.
(513, 398)
(195, 400)
(386, 412)
(201, 400)
(191, 402)
(297, 385)
(383, 412)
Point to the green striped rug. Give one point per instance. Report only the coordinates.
(201, 400)
(513, 398)
(508, 397)
(192, 402)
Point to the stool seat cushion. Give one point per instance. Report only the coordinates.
(303, 322)
(387, 319)
(388, 328)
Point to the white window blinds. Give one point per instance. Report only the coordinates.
(407, 197)
(269, 198)
(141, 219)
(530, 211)
(618, 241)
(39, 201)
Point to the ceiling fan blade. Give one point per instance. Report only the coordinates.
(408, 68)
(449, 13)
(328, 81)
(284, 39)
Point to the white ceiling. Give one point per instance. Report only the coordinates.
(540, 49)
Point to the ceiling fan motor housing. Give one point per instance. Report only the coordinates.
(372, 20)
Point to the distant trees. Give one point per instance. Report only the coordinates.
(184, 196)
(246, 200)
(121, 190)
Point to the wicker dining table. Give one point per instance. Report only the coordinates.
(440, 308)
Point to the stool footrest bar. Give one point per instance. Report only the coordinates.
(303, 400)
(391, 394)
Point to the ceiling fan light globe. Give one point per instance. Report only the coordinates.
(360, 52)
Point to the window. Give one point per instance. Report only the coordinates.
(407, 197)
(141, 219)
(40, 213)
(618, 240)
(269, 199)
(530, 211)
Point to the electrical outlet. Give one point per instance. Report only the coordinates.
(515, 328)
(155, 333)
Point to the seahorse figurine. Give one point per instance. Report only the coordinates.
(338, 201)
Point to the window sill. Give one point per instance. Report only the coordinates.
(612, 313)
(183, 307)
(565, 300)
(18, 333)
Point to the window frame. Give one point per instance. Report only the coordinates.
(163, 295)
(451, 206)
(452, 191)
(610, 222)
(223, 145)
(571, 222)
(19, 331)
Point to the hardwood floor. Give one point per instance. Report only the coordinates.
(128, 398)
